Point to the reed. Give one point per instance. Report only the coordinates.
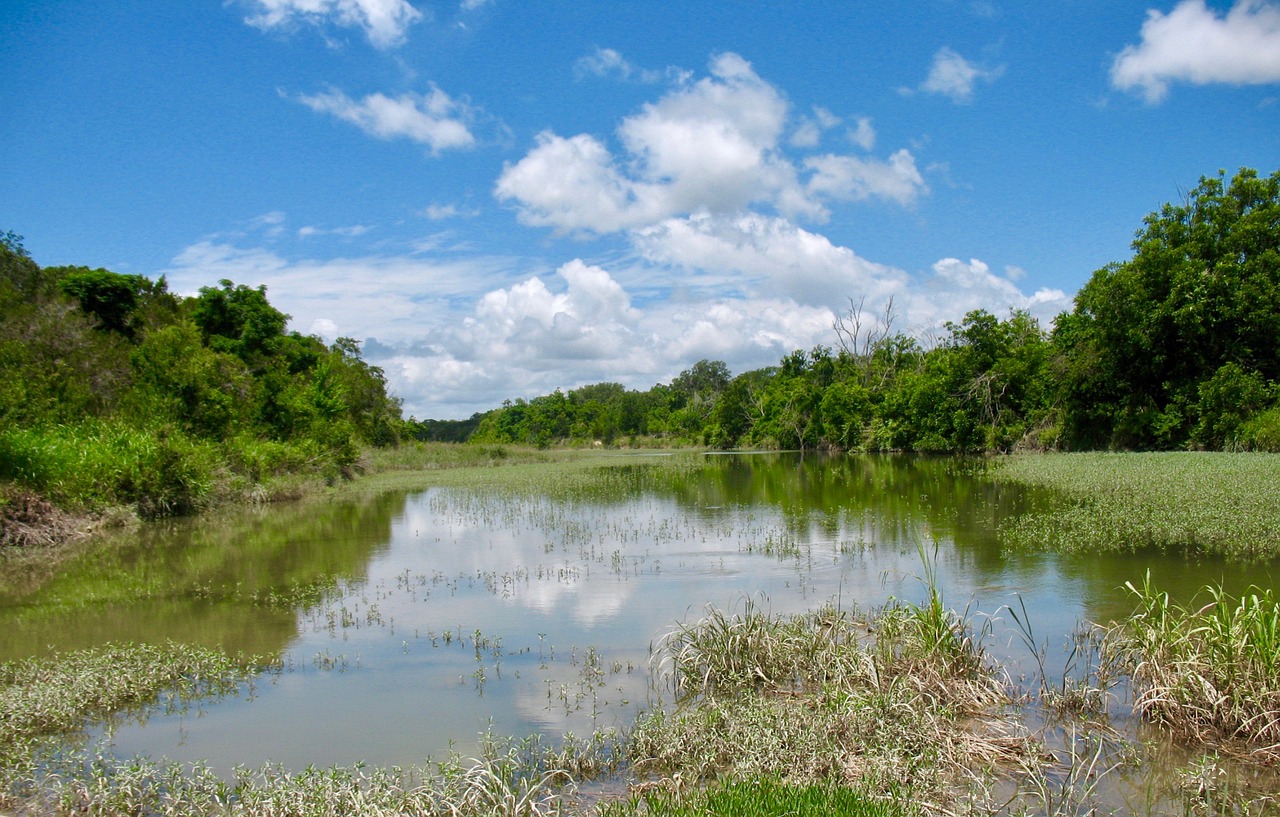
(1209, 671)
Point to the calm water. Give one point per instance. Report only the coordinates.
(451, 612)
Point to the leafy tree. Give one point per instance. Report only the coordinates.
(110, 297)
(239, 319)
(1201, 291)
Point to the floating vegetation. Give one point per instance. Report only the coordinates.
(1182, 502)
(43, 696)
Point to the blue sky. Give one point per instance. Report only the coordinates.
(501, 199)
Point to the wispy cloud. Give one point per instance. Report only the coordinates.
(433, 119)
(954, 76)
(385, 22)
(1193, 44)
(608, 62)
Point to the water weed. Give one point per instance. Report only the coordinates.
(1183, 502)
(44, 696)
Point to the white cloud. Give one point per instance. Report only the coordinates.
(854, 179)
(954, 76)
(347, 232)
(957, 288)
(432, 119)
(767, 255)
(1193, 44)
(609, 63)
(384, 21)
(440, 212)
(863, 135)
(710, 146)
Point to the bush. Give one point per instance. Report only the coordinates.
(158, 471)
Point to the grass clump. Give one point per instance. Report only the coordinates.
(893, 703)
(1209, 672)
(1191, 502)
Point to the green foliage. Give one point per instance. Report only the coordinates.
(1202, 292)
(238, 319)
(108, 296)
(160, 471)
(117, 393)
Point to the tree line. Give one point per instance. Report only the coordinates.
(1178, 347)
(117, 391)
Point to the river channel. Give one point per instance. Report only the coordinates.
(409, 624)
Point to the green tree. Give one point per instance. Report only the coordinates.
(1202, 290)
(239, 319)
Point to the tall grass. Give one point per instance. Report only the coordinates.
(1191, 502)
(899, 700)
(1210, 673)
(160, 471)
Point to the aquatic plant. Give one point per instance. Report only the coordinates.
(40, 696)
(1183, 502)
(1210, 672)
(754, 798)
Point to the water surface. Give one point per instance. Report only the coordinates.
(409, 624)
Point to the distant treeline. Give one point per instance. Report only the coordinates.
(115, 391)
(1178, 347)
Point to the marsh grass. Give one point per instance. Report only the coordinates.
(756, 798)
(901, 699)
(77, 784)
(1209, 671)
(44, 696)
(1183, 502)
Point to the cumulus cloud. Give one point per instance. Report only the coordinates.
(713, 146)
(954, 76)
(957, 287)
(527, 323)
(433, 119)
(1193, 44)
(854, 179)
(383, 21)
(769, 255)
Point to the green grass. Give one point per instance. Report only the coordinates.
(757, 798)
(1183, 502)
(900, 701)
